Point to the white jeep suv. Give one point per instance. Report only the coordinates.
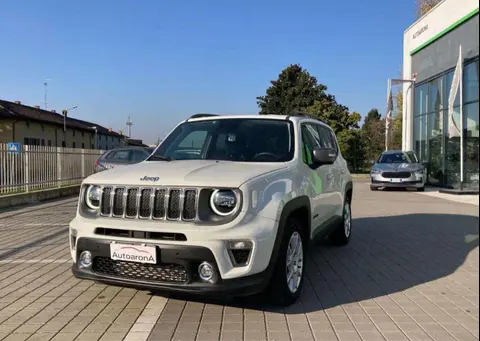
(224, 205)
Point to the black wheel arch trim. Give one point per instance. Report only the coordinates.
(349, 187)
(301, 202)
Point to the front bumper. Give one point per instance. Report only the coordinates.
(198, 243)
(414, 181)
(177, 263)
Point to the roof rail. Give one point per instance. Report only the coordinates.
(201, 115)
(303, 114)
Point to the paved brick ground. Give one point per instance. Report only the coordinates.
(410, 273)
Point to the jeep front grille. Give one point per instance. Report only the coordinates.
(149, 203)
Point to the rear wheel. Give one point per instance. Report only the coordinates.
(342, 234)
(287, 280)
(421, 189)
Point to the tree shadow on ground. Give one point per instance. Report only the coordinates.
(386, 255)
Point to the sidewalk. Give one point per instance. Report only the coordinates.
(464, 199)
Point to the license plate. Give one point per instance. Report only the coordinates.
(396, 180)
(133, 253)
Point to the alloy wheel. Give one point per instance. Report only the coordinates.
(347, 220)
(294, 269)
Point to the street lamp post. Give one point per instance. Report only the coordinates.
(96, 139)
(65, 113)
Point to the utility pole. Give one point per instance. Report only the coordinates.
(129, 124)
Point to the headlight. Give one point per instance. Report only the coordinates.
(223, 202)
(375, 171)
(92, 197)
(419, 172)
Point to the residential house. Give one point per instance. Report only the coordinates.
(34, 126)
(105, 138)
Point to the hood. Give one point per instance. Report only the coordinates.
(184, 173)
(398, 167)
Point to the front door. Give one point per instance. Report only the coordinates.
(319, 181)
(338, 169)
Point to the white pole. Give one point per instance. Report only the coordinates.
(461, 120)
(389, 85)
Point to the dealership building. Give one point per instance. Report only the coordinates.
(431, 52)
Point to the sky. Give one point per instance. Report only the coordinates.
(161, 61)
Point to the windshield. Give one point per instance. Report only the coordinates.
(398, 158)
(238, 139)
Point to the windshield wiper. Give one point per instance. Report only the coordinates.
(159, 157)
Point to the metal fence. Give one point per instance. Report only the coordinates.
(34, 168)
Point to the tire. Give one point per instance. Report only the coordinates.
(373, 188)
(343, 233)
(279, 291)
(421, 189)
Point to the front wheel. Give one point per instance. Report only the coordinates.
(287, 280)
(342, 234)
(421, 189)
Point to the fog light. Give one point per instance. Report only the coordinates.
(85, 259)
(206, 272)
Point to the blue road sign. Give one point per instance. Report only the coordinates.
(13, 147)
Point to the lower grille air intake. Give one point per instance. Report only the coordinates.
(169, 273)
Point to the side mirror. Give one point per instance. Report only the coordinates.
(324, 156)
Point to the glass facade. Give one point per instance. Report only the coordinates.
(436, 142)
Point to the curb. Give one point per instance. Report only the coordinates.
(361, 176)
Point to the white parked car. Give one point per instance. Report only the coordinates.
(224, 205)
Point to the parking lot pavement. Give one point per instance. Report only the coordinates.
(410, 273)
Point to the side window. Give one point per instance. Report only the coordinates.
(413, 157)
(138, 156)
(119, 156)
(327, 138)
(314, 134)
(194, 140)
(310, 141)
(334, 141)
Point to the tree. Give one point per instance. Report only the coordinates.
(372, 115)
(425, 6)
(396, 142)
(297, 90)
(294, 90)
(374, 134)
(354, 148)
(333, 114)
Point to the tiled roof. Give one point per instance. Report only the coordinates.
(19, 111)
(13, 110)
